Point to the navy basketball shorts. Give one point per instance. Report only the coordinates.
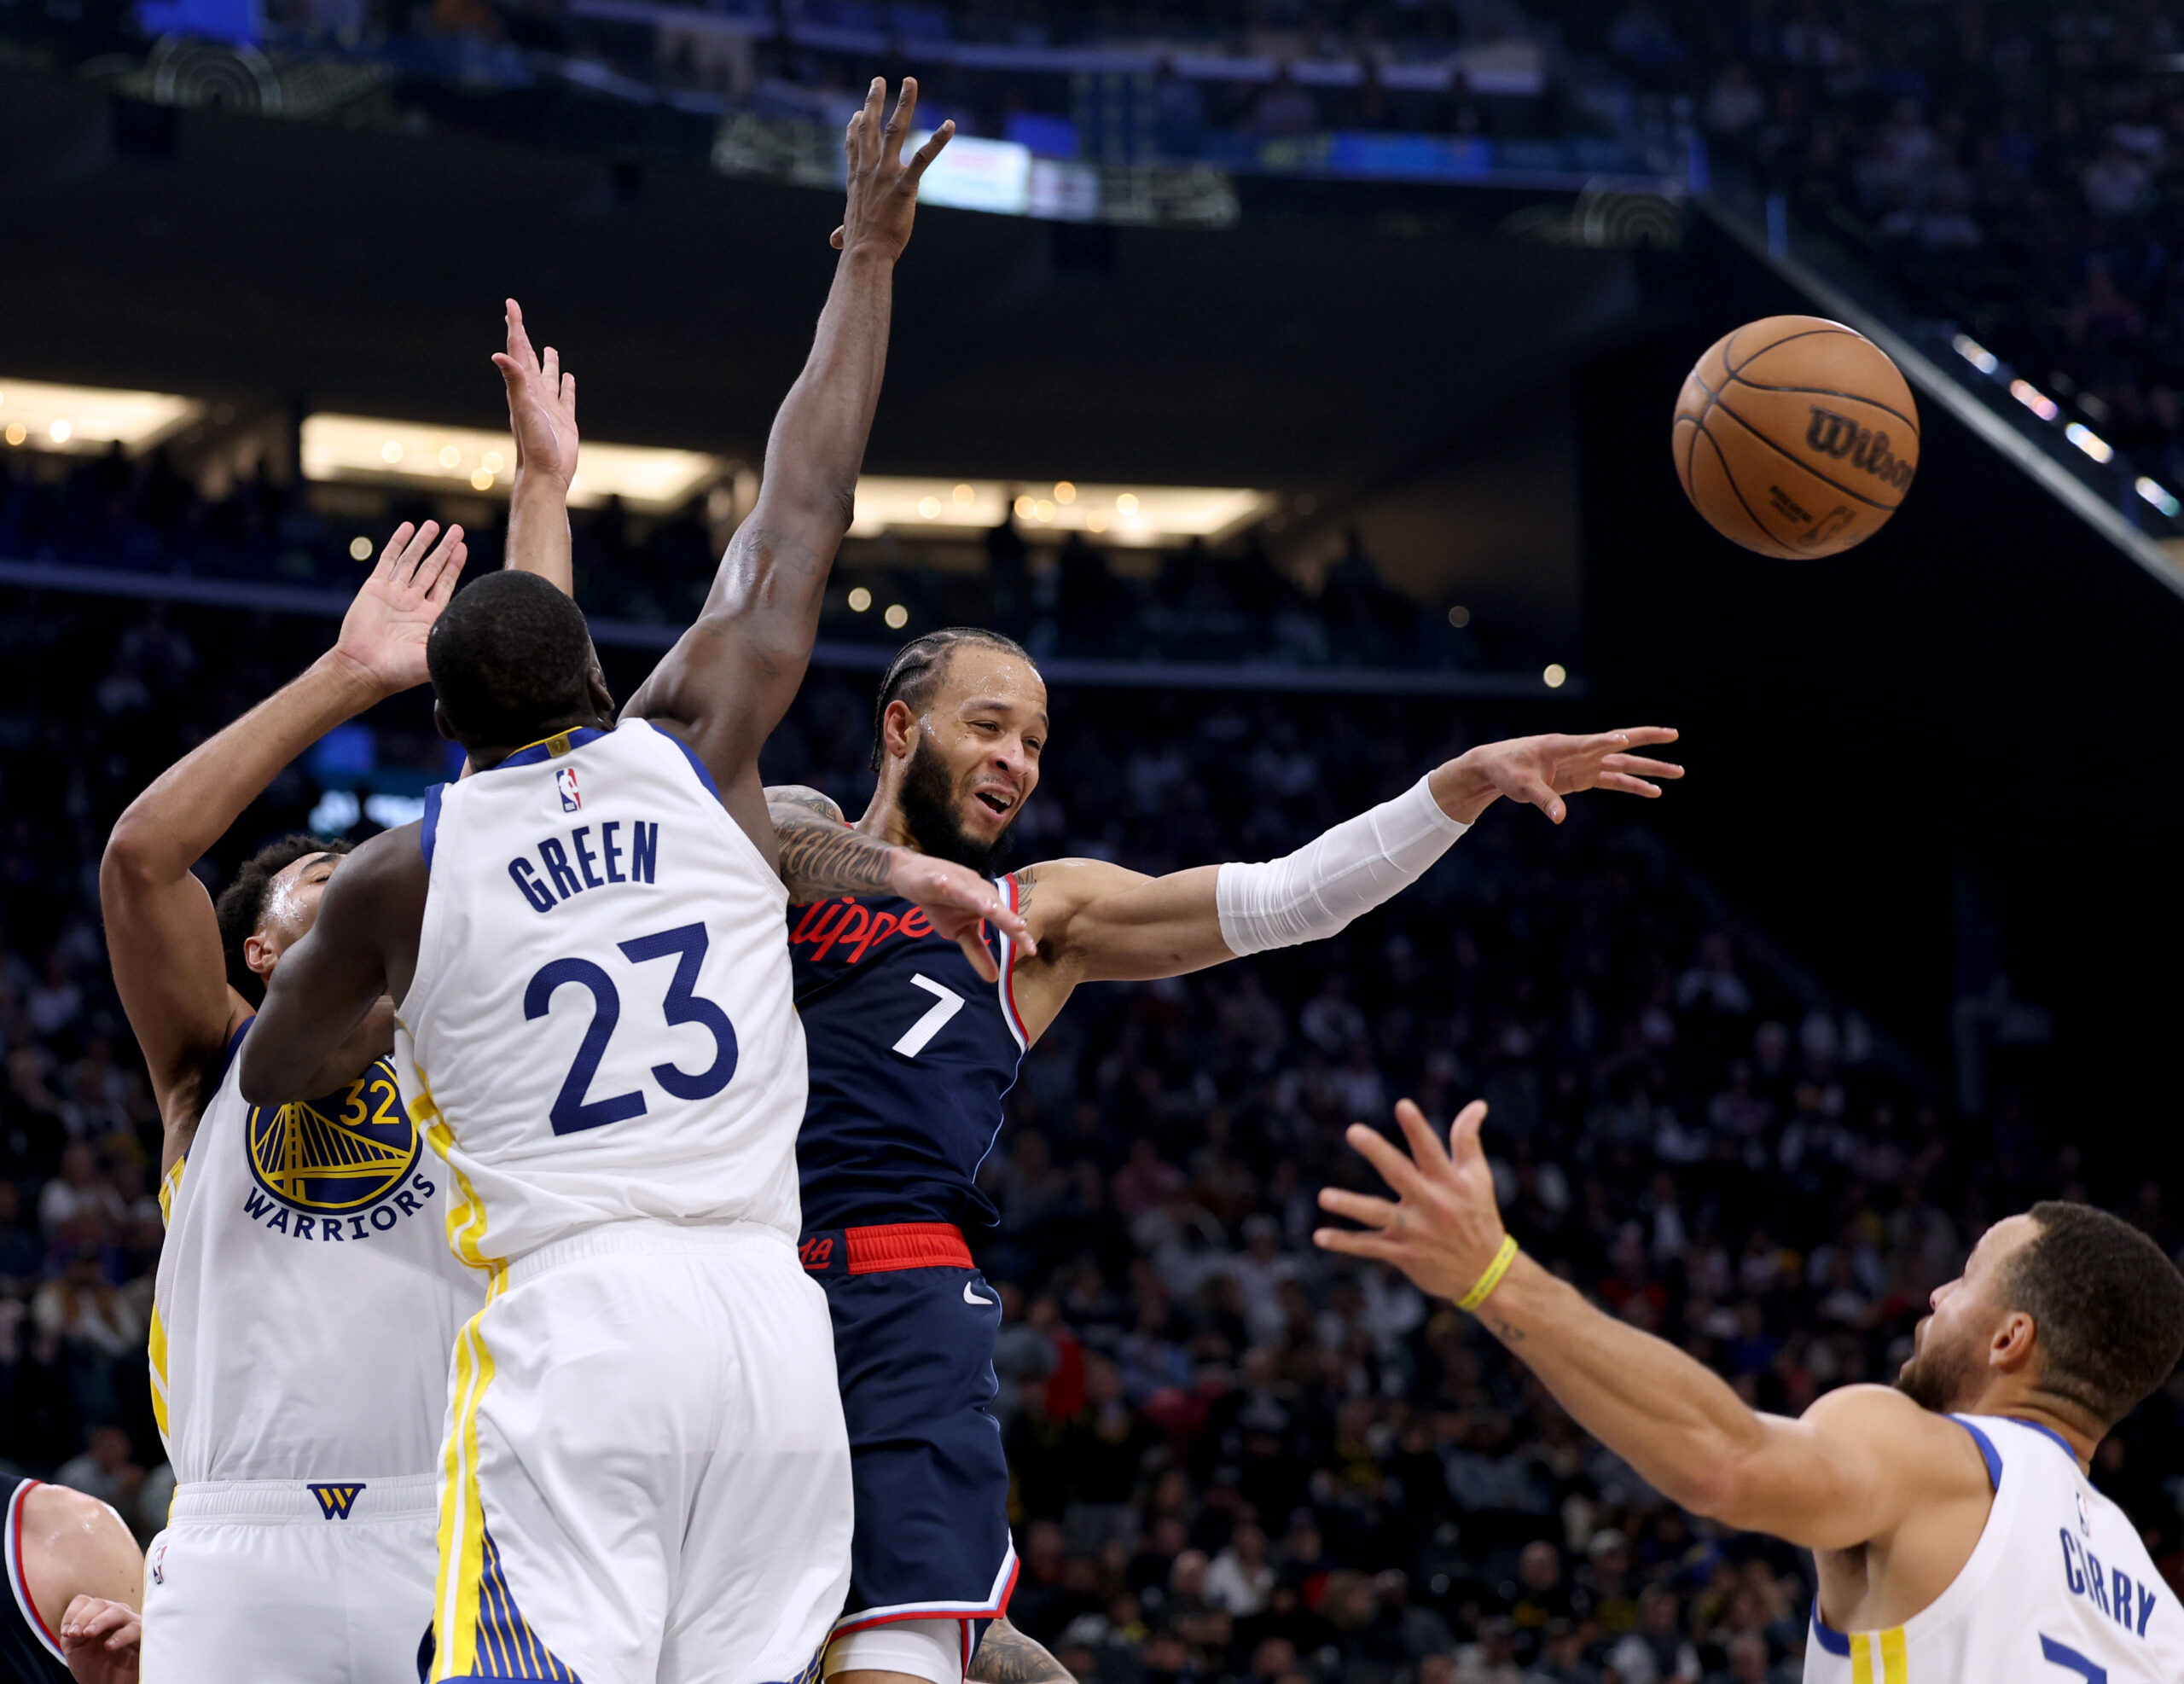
(915, 1324)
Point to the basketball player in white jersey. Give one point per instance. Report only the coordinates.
(306, 1299)
(645, 1474)
(1957, 1536)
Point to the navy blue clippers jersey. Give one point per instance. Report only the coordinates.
(29, 1654)
(911, 1052)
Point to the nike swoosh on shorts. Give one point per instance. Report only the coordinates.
(970, 1296)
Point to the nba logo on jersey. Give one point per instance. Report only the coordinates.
(565, 781)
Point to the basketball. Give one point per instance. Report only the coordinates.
(1796, 436)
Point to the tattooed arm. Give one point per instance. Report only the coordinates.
(1007, 1656)
(821, 856)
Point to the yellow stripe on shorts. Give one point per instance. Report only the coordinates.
(463, 1516)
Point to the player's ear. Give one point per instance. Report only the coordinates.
(442, 724)
(2014, 1344)
(602, 697)
(259, 953)
(899, 730)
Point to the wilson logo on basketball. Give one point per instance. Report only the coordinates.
(1841, 437)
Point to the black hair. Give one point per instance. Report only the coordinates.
(2108, 1305)
(510, 657)
(241, 906)
(919, 666)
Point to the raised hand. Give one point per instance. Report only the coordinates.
(1542, 770)
(542, 404)
(383, 634)
(102, 1640)
(1442, 1228)
(883, 188)
(960, 904)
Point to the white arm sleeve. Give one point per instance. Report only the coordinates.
(1310, 895)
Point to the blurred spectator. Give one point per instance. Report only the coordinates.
(103, 1469)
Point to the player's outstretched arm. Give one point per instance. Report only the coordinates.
(730, 679)
(821, 857)
(1101, 923)
(362, 947)
(543, 419)
(1847, 1472)
(162, 934)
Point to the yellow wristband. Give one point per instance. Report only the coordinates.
(1495, 1270)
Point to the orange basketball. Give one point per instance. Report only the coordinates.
(1796, 436)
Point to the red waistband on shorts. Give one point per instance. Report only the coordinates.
(873, 1251)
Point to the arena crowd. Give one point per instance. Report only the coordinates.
(1235, 1458)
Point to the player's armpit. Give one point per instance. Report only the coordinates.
(1850, 1471)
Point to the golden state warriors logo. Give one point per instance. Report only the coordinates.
(337, 1153)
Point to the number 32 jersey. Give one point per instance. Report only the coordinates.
(2060, 1590)
(600, 1028)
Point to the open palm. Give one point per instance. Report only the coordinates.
(541, 404)
(384, 631)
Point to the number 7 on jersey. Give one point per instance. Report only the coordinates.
(945, 1004)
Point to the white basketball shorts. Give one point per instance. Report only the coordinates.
(646, 1474)
(286, 1581)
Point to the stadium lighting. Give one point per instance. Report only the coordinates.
(416, 453)
(2033, 399)
(2158, 494)
(1556, 676)
(1459, 616)
(897, 617)
(1976, 354)
(860, 600)
(89, 418)
(1145, 518)
(360, 548)
(2090, 441)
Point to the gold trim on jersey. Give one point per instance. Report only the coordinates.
(170, 1187)
(156, 1349)
(1878, 1657)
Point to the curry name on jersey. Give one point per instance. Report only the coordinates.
(599, 1028)
(911, 1054)
(2060, 1590)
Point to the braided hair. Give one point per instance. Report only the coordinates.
(918, 668)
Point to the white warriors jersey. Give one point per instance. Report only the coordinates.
(306, 1301)
(600, 1028)
(2060, 1590)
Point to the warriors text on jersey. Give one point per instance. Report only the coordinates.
(305, 1299)
(912, 1054)
(2059, 1590)
(600, 1026)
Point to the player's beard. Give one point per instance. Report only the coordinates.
(928, 801)
(1939, 1376)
